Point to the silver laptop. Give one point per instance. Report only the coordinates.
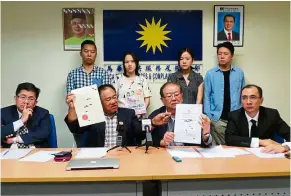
(104, 163)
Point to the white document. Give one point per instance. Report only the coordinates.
(15, 153)
(215, 152)
(236, 151)
(88, 105)
(258, 153)
(187, 127)
(91, 153)
(183, 152)
(40, 156)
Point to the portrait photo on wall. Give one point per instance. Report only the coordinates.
(78, 26)
(228, 24)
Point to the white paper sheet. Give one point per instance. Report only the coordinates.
(215, 152)
(183, 152)
(258, 153)
(187, 127)
(40, 156)
(236, 151)
(88, 105)
(15, 153)
(91, 153)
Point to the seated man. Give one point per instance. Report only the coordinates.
(25, 125)
(254, 125)
(163, 119)
(104, 134)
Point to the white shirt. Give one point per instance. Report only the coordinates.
(131, 93)
(255, 141)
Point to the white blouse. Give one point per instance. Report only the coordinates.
(131, 93)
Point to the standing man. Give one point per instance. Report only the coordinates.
(254, 125)
(222, 86)
(25, 125)
(227, 34)
(78, 25)
(87, 74)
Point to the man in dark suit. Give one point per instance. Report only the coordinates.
(227, 34)
(104, 134)
(254, 125)
(25, 125)
(163, 119)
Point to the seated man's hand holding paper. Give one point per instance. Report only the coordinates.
(168, 138)
(205, 125)
(69, 100)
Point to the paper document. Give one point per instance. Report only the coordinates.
(215, 152)
(40, 156)
(88, 105)
(15, 153)
(183, 152)
(91, 153)
(187, 127)
(236, 151)
(258, 153)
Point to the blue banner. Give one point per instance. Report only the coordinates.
(152, 35)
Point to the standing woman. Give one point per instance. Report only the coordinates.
(132, 89)
(190, 81)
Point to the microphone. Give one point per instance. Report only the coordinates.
(146, 126)
(120, 130)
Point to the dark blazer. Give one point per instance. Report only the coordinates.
(269, 122)
(159, 131)
(222, 37)
(94, 135)
(39, 126)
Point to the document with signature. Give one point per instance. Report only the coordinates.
(88, 105)
(187, 128)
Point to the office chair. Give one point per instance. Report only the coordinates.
(53, 142)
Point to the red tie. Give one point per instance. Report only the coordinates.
(229, 37)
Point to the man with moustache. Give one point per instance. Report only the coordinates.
(25, 125)
(163, 119)
(222, 86)
(254, 125)
(104, 134)
(87, 74)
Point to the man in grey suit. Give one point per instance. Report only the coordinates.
(227, 33)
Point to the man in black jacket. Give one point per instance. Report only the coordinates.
(104, 134)
(254, 125)
(163, 119)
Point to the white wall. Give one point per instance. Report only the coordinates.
(32, 50)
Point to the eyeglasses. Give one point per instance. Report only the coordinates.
(108, 99)
(23, 98)
(252, 98)
(171, 95)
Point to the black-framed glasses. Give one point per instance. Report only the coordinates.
(23, 98)
(252, 97)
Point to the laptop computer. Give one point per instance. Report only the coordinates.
(104, 163)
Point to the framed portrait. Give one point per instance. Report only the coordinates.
(228, 24)
(78, 26)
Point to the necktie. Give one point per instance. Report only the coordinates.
(254, 129)
(22, 131)
(229, 37)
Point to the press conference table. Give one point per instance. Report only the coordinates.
(242, 175)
